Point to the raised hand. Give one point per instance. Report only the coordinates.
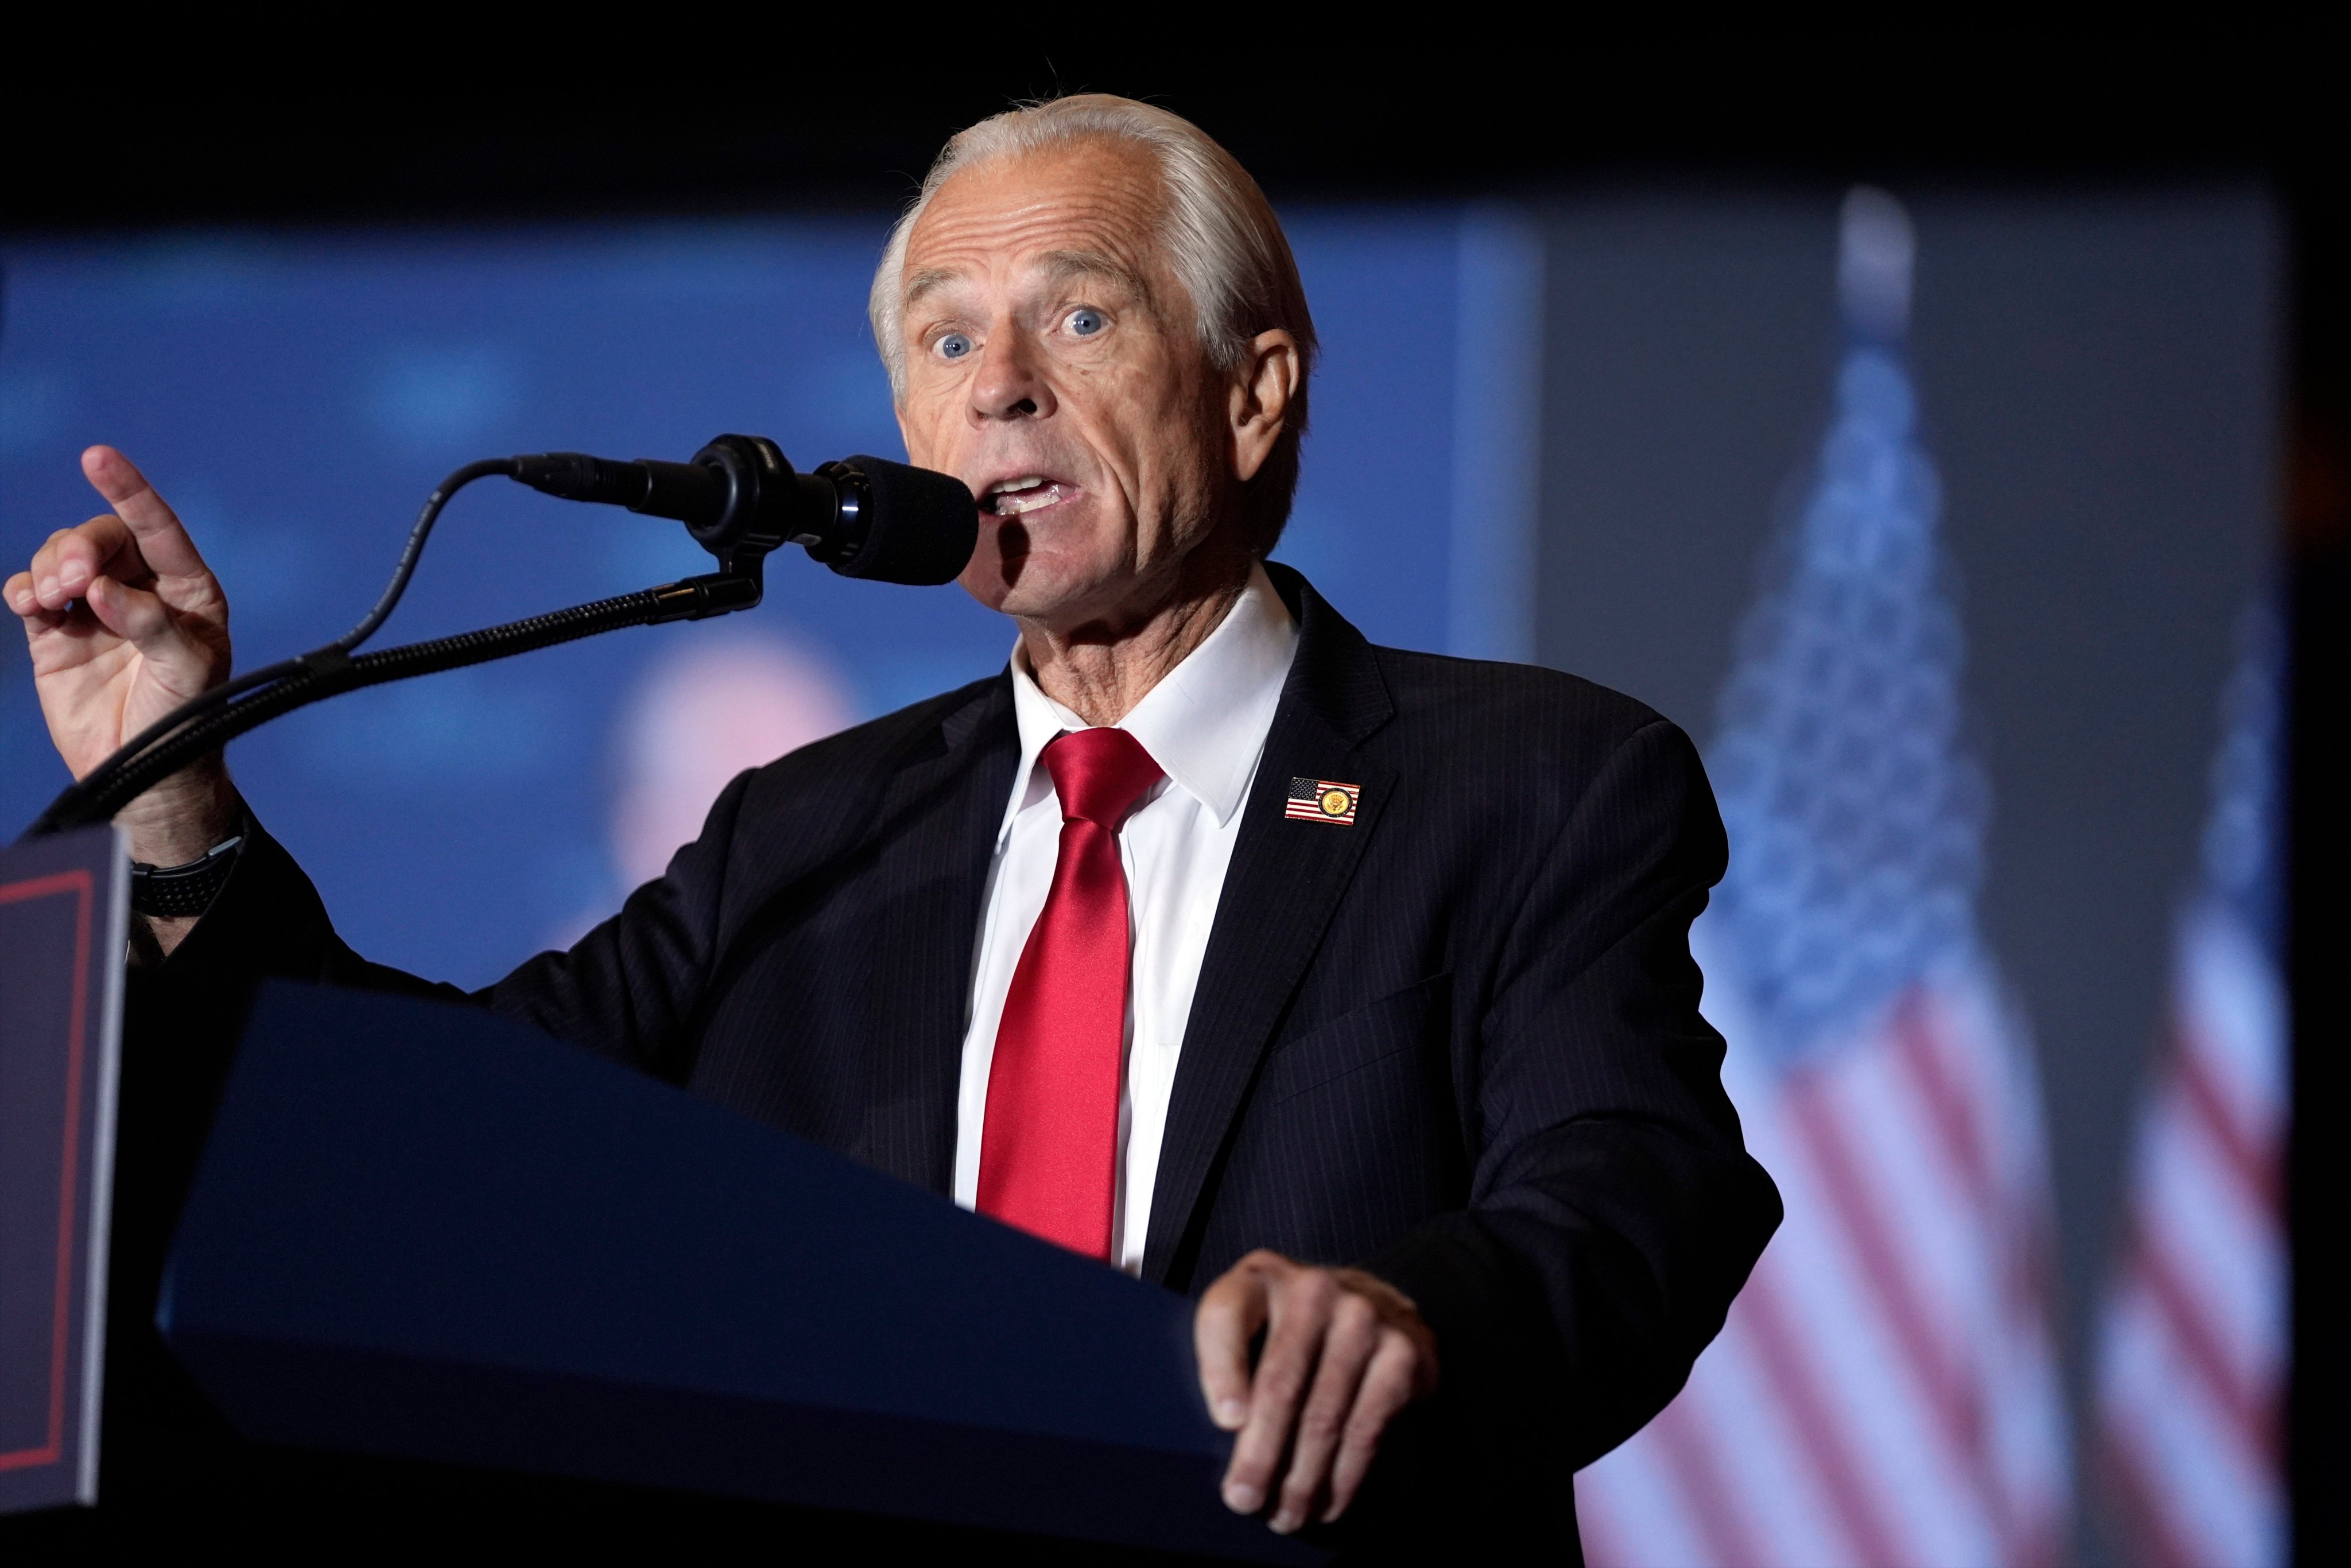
(125, 622)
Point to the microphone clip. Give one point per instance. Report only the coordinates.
(739, 498)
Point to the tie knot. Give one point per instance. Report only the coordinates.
(1099, 774)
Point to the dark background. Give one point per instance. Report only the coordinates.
(438, 125)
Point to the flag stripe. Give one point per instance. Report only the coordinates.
(1720, 1521)
(2191, 1375)
(1834, 1462)
(2228, 1248)
(1921, 1043)
(2146, 1519)
(2199, 1342)
(2220, 1502)
(1632, 1513)
(1868, 1232)
(2249, 1158)
(1921, 1051)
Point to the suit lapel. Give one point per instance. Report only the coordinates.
(938, 820)
(1285, 881)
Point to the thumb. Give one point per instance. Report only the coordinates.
(136, 615)
(175, 666)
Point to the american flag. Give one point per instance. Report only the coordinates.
(1884, 1391)
(2191, 1361)
(1320, 801)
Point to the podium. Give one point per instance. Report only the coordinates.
(426, 1231)
(64, 902)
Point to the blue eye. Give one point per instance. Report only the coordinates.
(1085, 321)
(953, 346)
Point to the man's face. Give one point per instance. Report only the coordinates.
(1053, 365)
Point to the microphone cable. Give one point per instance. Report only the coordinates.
(212, 719)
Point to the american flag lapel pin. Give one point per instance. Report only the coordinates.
(1322, 800)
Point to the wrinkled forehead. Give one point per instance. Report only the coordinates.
(1022, 220)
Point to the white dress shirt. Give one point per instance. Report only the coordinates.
(1205, 724)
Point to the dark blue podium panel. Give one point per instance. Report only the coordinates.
(423, 1230)
(63, 903)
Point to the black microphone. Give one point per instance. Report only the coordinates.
(739, 498)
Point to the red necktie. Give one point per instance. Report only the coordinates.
(1048, 1147)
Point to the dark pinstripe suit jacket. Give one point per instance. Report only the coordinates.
(1456, 1044)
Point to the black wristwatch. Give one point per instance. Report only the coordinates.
(179, 891)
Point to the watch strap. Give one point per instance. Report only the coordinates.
(181, 892)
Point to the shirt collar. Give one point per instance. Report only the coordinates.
(1205, 723)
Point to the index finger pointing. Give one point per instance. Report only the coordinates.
(162, 541)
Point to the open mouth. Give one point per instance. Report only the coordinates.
(1010, 498)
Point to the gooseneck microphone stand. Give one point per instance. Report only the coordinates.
(740, 498)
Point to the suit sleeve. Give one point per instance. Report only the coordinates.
(1615, 1212)
(628, 989)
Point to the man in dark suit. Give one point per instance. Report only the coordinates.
(1347, 987)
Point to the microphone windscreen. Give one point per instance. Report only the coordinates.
(924, 528)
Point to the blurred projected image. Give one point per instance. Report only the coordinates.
(702, 713)
(1884, 1391)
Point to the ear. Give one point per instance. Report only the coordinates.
(1261, 395)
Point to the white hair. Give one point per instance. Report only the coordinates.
(1223, 243)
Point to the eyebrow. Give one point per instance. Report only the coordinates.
(1060, 267)
(929, 280)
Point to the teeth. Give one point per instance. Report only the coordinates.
(1006, 487)
(1010, 505)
